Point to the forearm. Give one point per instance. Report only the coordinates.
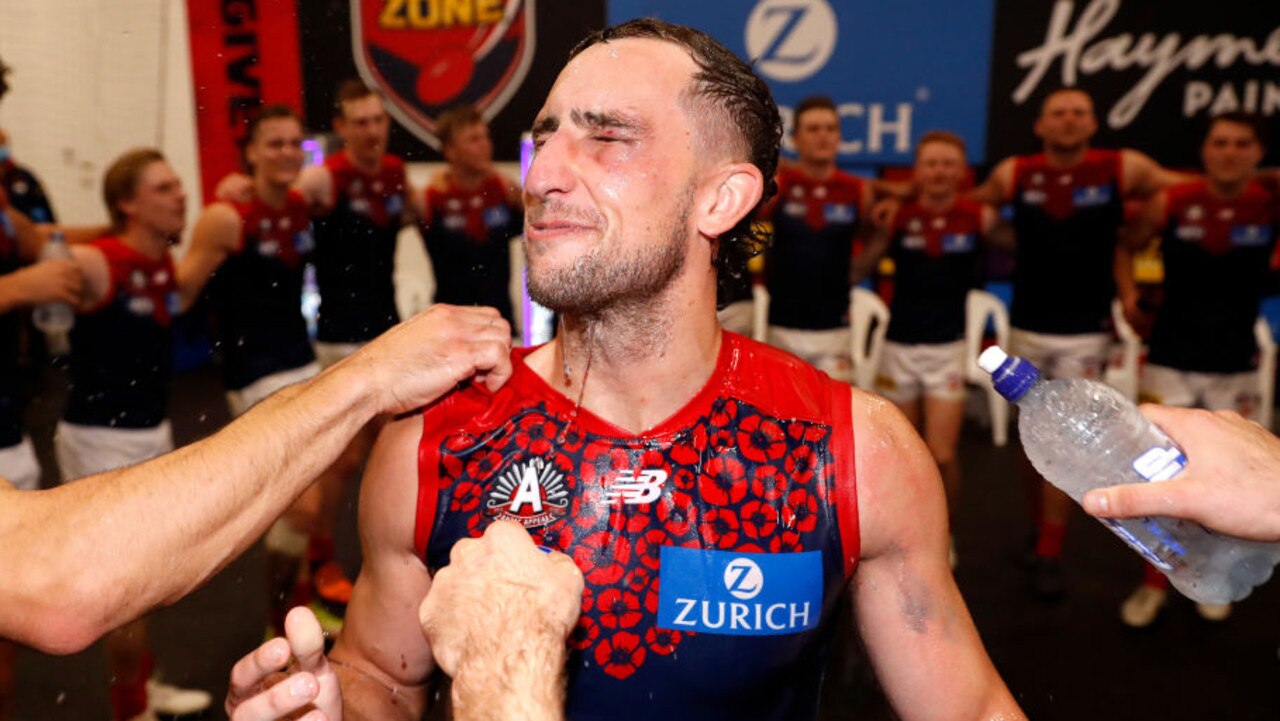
(512, 679)
(89, 556)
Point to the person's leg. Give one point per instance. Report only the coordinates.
(943, 418)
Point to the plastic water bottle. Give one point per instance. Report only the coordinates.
(1081, 434)
(55, 317)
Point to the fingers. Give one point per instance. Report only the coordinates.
(1140, 499)
(290, 695)
(251, 672)
(306, 639)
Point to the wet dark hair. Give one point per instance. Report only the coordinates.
(4, 79)
(1252, 121)
(724, 86)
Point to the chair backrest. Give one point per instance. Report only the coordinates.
(1266, 371)
(1123, 376)
(869, 321)
(981, 307)
(760, 313)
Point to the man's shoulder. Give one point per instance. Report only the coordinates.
(782, 384)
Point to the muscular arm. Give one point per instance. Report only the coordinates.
(998, 186)
(1142, 177)
(87, 557)
(217, 235)
(382, 658)
(918, 632)
(44, 282)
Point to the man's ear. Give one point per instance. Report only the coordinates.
(734, 191)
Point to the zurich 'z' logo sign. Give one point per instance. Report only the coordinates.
(791, 40)
(427, 56)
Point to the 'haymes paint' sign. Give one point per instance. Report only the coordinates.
(1147, 64)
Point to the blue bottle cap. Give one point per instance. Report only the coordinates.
(1011, 376)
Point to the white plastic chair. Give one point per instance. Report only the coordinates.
(869, 321)
(981, 306)
(760, 313)
(1123, 376)
(1266, 371)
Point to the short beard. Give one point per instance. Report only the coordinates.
(597, 283)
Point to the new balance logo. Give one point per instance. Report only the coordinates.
(634, 490)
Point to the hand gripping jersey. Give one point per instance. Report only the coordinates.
(468, 235)
(807, 267)
(11, 402)
(936, 259)
(1216, 258)
(355, 251)
(714, 545)
(1066, 222)
(121, 350)
(25, 192)
(257, 293)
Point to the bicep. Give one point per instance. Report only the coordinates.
(381, 634)
(915, 624)
(93, 269)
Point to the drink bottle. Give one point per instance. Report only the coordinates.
(1082, 434)
(57, 316)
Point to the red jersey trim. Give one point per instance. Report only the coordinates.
(845, 500)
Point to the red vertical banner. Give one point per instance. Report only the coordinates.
(244, 53)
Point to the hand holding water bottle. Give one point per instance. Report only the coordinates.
(1231, 483)
(1083, 435)
(54, 316)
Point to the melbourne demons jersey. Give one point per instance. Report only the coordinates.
(1066, 221)
(356, 248)
(256, 293)
(936, 259)
(468, 235)
(714, 545)
(25, 192)
(807, 268)
(1216, 266)
(11, 403)
(121, 350)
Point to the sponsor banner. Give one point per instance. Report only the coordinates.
(894, 70)
(739, 594)
(428, 55)
(1156, 71)
(244, 53)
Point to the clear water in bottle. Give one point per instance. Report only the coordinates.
(55, 317)
(1082, 434)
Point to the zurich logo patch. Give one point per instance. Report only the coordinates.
(739, 594)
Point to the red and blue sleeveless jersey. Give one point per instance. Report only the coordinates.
(714, 545)
(1216, 268)
(937, 261)
(1066, 220)
(257, 293)
(356, 248)
(11, 401)
(807, 266)
(468, 234)
(25, 192)
(121, 350)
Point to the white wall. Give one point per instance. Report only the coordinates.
(91, 79)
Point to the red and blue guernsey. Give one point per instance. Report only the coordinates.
(11, 404)
(1216, 267)
(121, 350)
(937, 260)
(257, 293)
(1066, 220)
(807, 267)
(714, 545)
(468, 234)
(356, 249)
